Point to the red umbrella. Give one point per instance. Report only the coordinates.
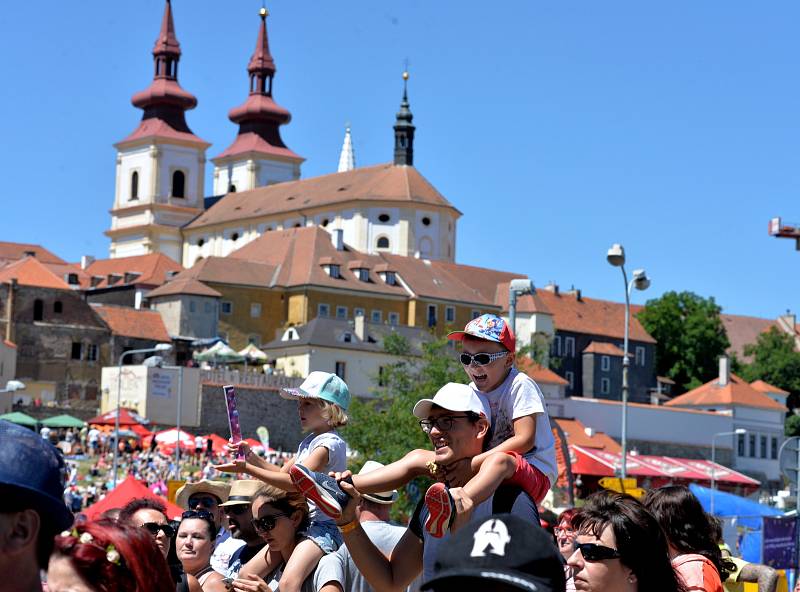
(217, 443)
(127, 417)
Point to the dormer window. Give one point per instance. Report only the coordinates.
(390, 278)
(334, 271)
(72, 279)
(363, 274)
(113, 278)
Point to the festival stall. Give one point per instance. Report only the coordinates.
(128, 490)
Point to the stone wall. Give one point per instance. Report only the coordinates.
(258, 406)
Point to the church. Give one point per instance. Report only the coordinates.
(161, 204)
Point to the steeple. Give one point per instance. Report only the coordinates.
(347, 158)
(404, 130)
(164, 102)
(260, 118)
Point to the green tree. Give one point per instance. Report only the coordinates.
(690, 336)
(792, 426)
(774, 360)
(383, 428)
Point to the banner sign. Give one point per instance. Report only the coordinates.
(779, 549)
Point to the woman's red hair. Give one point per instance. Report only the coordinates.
(567, 515)
(141, 567)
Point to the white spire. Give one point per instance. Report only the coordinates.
(347, 159)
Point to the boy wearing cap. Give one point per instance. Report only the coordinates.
(521, 448)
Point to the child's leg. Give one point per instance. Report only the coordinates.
(304, 559)
(396, 474)
(494, 470)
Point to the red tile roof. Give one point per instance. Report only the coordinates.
(736, 393)
(132, 322)
(743, 330)
(608, 349)
(31, 272)
(384, 182)
(184, 285)
(577, 435)
(16, 251)
(539, 373)
(765, 387)
(152, 269)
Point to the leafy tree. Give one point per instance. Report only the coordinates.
(774, 360)
(383, 428)
(792, 426)
(690, 336)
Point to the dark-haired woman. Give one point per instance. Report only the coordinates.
(108, 557)
(690, 535)
(194, 544)
(620, 548)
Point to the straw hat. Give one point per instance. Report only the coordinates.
(218, 489)
(242, 492)
(383, 497)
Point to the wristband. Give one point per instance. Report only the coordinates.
(349, 527)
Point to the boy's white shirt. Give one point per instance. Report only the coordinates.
(337, 461)
(517, 397)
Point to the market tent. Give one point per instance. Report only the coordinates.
(126, 491)
(140, 430)
(127, 417)
(219, 352)
(217, 443)
(19, 418)
(168, 439)
(252, 354)
(63, 421)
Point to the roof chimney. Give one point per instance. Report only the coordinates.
(337, 238)
(589, 431)
(86, 261)
(724, 371)
(359, 327)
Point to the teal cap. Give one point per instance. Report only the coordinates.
(321, 385)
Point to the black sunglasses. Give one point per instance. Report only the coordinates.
(202, 514)
(205, 501)
(267, 523)
(443, 424)
(481, 359)
(236, 509)
(154, 527)
(595, 552)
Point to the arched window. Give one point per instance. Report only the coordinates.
(178, 184)
(38, 310)
(425, 246)
(383, 243)
(135, 185)
(232, 189)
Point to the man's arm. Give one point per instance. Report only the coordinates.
(765, 576)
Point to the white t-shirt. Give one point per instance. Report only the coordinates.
(94, 434)
(224, 548)
(337, 461)
(517, 397)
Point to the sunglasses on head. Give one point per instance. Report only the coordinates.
(443, 424)
(154, 527)
(481, 359)
(205, 501)
(202, 514)
(267, 523)
(595, 552)
(237, 509)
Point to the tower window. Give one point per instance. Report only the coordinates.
(135, 185)
(426, 221)
(178, 184)
(38, 310)
(384, 218)
(383, 243)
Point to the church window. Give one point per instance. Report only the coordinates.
(58, 307)
(235, 236)
(425, 246)
(201, 242)
(232, 189)
(382, 243)
(178, 184)
(135, 185)
(384, 218)
(325, 222)
(426, 221)
(38, 310)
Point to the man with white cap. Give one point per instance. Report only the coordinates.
(457, 424)
(337, 572)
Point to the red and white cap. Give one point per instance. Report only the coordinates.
(453, 397)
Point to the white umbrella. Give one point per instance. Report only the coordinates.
(172, 436)
(219, 352)
(252, 354)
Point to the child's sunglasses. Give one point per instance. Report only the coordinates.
(481, 359)
(595, 552)
(266, 523)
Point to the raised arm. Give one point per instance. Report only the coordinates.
(765, 576)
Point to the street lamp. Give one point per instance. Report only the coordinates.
(517, 287)
(736, 432)
(160, 347)
(640, 281)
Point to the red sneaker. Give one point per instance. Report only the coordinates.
(441, 510)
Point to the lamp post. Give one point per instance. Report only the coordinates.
(161, 347)
(736, 432)
(640, 281)
(517, 287)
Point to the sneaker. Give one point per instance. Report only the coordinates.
(441, 510)
(321, 489)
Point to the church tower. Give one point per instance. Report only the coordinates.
(161, 165)
(258, 155)
(404, 130)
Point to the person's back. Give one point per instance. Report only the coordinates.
(697, 572)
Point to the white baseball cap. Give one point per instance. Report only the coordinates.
(383, 497)
(453, 397)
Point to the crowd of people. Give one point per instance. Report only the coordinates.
(309, 524)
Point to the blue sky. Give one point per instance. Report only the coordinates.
(557, 128)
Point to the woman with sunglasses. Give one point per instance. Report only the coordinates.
(620, 548)
(565, 541)
(690, 535)
(280, 519)
(194, 544)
